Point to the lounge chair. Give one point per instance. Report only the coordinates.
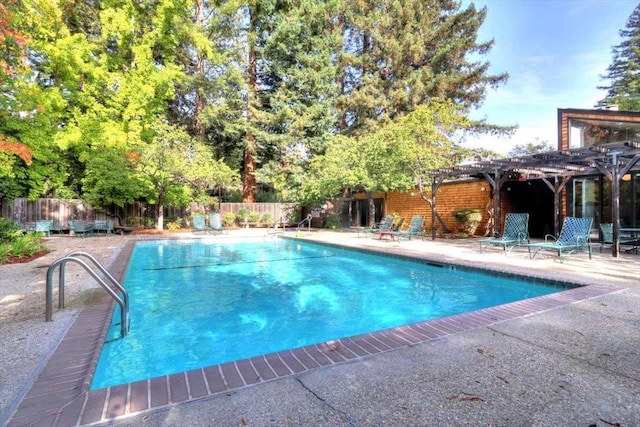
(215, 222)
(385, 225)
(414, 229)
(106, 226)
(44, 226)
(607, 236)
(516, 233)
(77, 227)
(198, 223)
(574, 237)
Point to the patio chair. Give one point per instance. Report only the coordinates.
(574, 237)
(516, 233)
(44, 226)
(106, 226)
(414, 229)
(385, 225)
(215, 222)
(198, 223)
(78, 227)
(607, 236)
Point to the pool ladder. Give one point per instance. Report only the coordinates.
(301, 224)
(122, 301)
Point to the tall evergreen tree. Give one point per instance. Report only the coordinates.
(399, 55)
(623, 73)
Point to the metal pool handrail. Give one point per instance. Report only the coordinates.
(123, 301)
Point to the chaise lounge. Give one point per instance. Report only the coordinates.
(574, 237)
(516, 233)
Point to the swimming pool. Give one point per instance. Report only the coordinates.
(198, 303)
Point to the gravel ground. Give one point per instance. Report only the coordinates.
(26, 339)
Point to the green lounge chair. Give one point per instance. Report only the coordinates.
(44, 226)
(574, 237)
(516, 233)
(414, 229)
(198, 223)
(77, 227)
(607, 236)
(215, 222)
(385, 225)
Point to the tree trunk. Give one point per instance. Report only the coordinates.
(372, 209)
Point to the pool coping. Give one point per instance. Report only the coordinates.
(60, 393)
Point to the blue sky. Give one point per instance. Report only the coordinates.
(555, 52)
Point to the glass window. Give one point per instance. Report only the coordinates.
(589, 132)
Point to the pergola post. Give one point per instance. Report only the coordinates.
(615, 175)
(556, 187)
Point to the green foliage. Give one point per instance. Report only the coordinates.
(253, 216)
(266, 218)
(21, 246)
(9, 229)
(469, 219)
(242, 214)
(535, 147)
(228, 219)
(332, 221)
(124, 102)
(623, 89)
(174, 224)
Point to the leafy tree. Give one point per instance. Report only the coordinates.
(534, 147)
(394, 157)
(172, 163)
(12, 41)
(623, 73)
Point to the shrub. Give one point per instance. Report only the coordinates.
(21, 246)
(332, 221)
(174, 225)
(254, 217)
(9, 230)
(469, 220)
(267, 218)
(228, 219)
(242, 214)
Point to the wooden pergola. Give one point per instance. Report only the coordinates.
(555, 169)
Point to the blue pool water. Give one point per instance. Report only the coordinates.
(198, 303)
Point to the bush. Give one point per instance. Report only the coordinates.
(228, 219)
(469, 220)
(174, 225)
(254, 217)
(21, 246)
(9, 230)
(332, 221)
(242, 214)
(267, 218)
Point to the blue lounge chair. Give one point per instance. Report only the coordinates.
(607, 236)
(77, 227)
(198, 223)
(385, 225)
(44, 226)
(574, 237)
(414, 229)
(215, 222)
(516, 233)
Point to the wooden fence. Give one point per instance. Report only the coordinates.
(138, 214)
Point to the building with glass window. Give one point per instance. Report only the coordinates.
(590, 195)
